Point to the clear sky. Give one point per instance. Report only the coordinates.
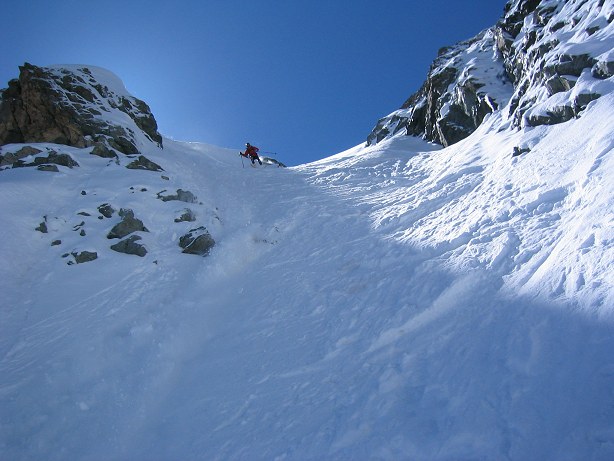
(305, 79)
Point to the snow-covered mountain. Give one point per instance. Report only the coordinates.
(544, 62)
(399, 300)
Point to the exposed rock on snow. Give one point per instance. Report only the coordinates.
(181, 196)
(128, 225)
(84, 256)
(130, 247)
(12, 157)
(197, 242)
(106, 210)
(187, 215)
(52, 159)
(143, 163)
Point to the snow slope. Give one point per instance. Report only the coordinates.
(392, 302)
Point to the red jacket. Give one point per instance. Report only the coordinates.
(252, 151)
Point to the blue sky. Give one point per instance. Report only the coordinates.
(304, 79)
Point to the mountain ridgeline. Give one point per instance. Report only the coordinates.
(542, 63)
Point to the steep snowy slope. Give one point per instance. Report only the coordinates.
(391, 302)
(395, 301)
(542, 221)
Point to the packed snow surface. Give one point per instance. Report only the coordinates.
(399, 301)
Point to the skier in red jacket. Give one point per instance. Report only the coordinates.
(251, 152)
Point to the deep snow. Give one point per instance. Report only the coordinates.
(399, 301)
(391, 302)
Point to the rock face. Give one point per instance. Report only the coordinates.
(544, 62)
(456, 96)
(75, 106)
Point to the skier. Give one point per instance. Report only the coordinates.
(251, 152)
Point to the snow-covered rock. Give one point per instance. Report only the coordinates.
(544, 61)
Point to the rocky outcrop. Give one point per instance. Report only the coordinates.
(75, 106)
(555, 78)
(455, 97)
(541, 64)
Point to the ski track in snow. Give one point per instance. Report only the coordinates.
(395, 302)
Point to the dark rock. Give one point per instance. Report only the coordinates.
(197, 242)
(452, 102)
(56, 243)
(603, 69)
(122, 143)
(85, 256)
(12, 157)
(103, 151)
(520, 150)
(186, 216)
(52, 159)
(558, 84)
(129, 246)
(555, 116)
(582, 100)
(574, 64)
(106, 210)
(128, 225)
(143, 163)
(42, 227)
(181, 195)
(51, 168)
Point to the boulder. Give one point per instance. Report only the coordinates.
(187, 215)
(130, 247)
(106, 210)
(85, 256)
(143, 163)
(101, 150)
(128, 225)
(603, 69)
(181, 195)
(197, 242)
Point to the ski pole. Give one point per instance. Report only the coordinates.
(241, 155)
